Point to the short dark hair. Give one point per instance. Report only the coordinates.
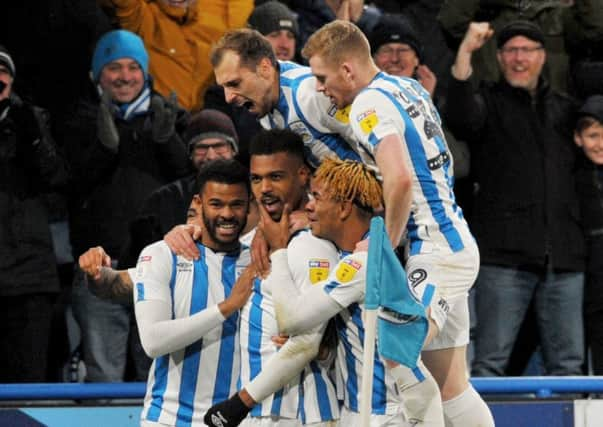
(273, 141)
(250, 45)
(584, 122)
(224, 172)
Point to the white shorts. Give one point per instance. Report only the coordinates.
(352, 419)
(442, 280)
(286, 422)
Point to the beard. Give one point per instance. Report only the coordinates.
(211, 226)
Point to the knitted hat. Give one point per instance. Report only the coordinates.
(7, 61)
(593, 107)
(118, 44)
(519, 28)
(209, 123)
(273, 16)
(394, 28)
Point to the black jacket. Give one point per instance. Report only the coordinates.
(526, 210)
(108, 187)
(29, 168)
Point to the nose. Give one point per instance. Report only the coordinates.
(310, 205)
(229, 96)
(266, 186)
(211, 154)
(320, 87)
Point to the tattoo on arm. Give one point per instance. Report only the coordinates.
(114, 285)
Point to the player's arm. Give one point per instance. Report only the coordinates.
(103, 281)
(159, 333)
(379, 128)
(392, 162)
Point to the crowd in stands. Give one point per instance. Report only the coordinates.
(518, 85)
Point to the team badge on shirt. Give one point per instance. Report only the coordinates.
(347, 270)
(367, 120)
(318, 269)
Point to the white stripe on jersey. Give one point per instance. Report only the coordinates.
(315, 400)
(311, 115)
(350, 327)
(184, 384)
(398, 105)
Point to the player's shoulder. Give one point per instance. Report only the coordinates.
(303, 242)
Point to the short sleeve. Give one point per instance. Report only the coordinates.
(310, 259)
(347, 281)
(154, 274)
(373, 117)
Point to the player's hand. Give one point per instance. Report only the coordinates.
(478, 33)
(259, 253)
(181, 240)
(275, 233)
(92, 260)
(279, 340)
(298, 220)
(227, 413)
(427, 79)
(240, 293)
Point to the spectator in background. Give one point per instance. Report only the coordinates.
(588, 135)
(179, 35)
(559, 20)
(29, 168)
(278, 24)
(525, 216)
(397, 50)
(120, 148)
(313, 14)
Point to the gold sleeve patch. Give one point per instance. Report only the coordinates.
(318, 269)
(347, 270)
(368, 120)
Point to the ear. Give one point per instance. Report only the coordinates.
(304, 175)
(577, 139)
(345, 210)
(265, 67)
(347, 70)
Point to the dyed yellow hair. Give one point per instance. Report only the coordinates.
(336, 41)
(348, 180)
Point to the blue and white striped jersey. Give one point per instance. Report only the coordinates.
(398, 105)
(311, 397)
(184, 384)
(346, 285)
(324, 129)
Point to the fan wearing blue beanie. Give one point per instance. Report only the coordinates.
(122, 146)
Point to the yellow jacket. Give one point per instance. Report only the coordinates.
(179, 41)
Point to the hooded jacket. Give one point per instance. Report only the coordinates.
(179, 41)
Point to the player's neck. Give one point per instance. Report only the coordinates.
(351, 233)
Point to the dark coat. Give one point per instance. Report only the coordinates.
(29, 168)
(109, 187)
(526, 210)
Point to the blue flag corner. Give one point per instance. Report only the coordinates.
(402, 323)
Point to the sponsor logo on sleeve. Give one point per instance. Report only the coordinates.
(347, 270)
(318, 269)
(367, 120)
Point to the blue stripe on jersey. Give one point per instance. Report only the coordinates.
(193, 352)
(419, 161)
(428, 294)
(140, 292)
(351, 383)
(413, 236)
(379, 390)
(301, 409)
(277, 400)
(229, 331)
(255, 338)
(162, 364)
(328, 288)
(321, 393)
